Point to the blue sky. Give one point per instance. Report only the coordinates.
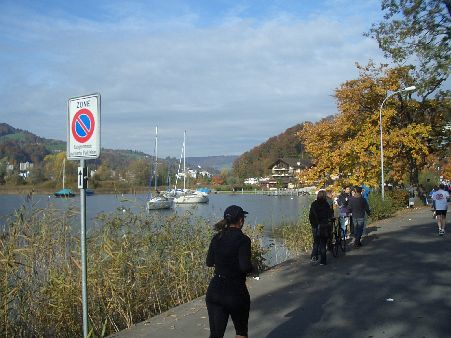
(232, 73)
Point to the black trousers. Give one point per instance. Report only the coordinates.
(227, 297)
(319, 246)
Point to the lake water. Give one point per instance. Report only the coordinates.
(271, 211)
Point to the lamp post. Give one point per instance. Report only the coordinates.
(408, 89)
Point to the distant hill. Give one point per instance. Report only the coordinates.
(19, 145)
(255, 162)
(217, 163)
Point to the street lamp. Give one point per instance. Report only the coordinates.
(408, 89)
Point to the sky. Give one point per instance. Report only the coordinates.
(230, 73)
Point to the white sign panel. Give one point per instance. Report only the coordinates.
(83, 128)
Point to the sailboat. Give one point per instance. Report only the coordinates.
(159, 201)
(65, 192)
(188, 196)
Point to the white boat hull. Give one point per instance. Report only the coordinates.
(191, 199)
(158, 203)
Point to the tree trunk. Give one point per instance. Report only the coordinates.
(413, 179)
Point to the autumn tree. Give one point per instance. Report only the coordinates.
(53, 169)
(217, 180)
(447, 171)
(417, 32)
(346, 147)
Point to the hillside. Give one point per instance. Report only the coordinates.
(19, 145)
(255, 162)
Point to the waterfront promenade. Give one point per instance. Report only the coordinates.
(397, 285)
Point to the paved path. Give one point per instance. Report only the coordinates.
(402, 259)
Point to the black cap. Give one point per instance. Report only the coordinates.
(234, 211)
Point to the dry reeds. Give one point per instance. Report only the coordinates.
(139, 265)
(297, 236)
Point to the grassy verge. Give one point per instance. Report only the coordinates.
(393, 201)
(139, 265)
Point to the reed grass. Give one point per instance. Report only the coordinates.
(296, 236)
(139, 265)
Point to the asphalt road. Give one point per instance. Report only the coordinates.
(397, 285)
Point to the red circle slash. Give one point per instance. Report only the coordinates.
(82, 131)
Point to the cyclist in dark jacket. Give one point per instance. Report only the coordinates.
(320, 213)
(230, 254)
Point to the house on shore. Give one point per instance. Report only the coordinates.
(285, 172)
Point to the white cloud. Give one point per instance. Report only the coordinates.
(231, 85)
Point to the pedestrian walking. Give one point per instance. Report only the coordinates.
(422, 194)
(227, 295)
(343, 201)
(434, 189)
(440, 198)
(320, 216)
(365, 191)
(358, 207)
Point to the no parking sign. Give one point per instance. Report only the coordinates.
(83, 130)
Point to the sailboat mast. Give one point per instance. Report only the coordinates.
(184, 160)
(156, 157)
(64, 171)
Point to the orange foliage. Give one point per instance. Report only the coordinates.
(346, 147)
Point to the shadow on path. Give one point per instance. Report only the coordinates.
(350, 297)
(397, 285)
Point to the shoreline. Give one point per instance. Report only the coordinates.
(39, 190)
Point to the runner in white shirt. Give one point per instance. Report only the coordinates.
(441, 206)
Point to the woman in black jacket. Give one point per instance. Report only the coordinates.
(230, 254)
(320, 213)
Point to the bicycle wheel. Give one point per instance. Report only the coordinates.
(343, 240)
(335, 244)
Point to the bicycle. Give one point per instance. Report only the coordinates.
(338, 237)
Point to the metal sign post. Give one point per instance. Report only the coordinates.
(83, 143)
(84, 288)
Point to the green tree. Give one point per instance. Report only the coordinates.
(139, 172)
(3, 164)
(417, 32)
(103, 173)
(36, 175)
